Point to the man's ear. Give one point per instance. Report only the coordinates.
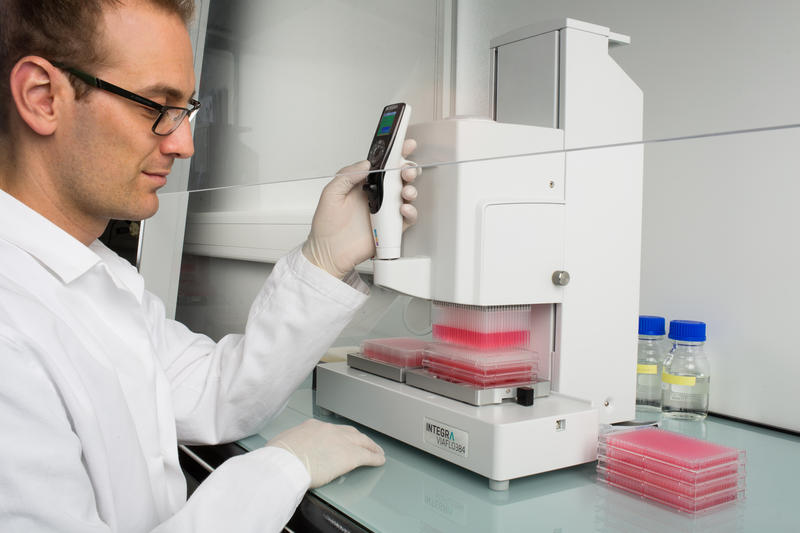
(36, 92)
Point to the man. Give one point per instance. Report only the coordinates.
(97, 385)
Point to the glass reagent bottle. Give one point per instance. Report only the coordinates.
(685, 376)
(650, 357)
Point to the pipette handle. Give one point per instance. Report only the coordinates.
(384, 190)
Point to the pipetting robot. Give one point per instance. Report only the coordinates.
(531, 263)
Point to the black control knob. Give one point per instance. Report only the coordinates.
(525, 396)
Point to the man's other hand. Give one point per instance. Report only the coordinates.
(329, 450)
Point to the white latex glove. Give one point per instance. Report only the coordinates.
(341, 232)
(329, 450)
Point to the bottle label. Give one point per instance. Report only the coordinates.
(647, 369)
(672, 379)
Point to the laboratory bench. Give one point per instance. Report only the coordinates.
(417, 492)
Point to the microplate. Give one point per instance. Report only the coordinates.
(399, 351)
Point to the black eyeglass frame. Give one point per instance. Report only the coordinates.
(96, 82)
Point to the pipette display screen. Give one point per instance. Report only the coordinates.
(385, 125)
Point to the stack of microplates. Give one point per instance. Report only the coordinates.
(682, 472)
(484, 347)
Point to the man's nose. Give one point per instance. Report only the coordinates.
(179, 143)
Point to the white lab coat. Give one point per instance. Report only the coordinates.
(97, 387)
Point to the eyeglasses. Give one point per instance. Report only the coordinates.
(169, 117)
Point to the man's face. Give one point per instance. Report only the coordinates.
(113, 163)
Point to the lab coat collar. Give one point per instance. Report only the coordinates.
(57, 250)
(124, 275)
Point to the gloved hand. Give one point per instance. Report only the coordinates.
(329, 450)
(341, 232)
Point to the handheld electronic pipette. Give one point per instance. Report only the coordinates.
(384, 183)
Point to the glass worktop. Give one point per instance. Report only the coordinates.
(417, 492)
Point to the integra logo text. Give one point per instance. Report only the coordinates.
(440, 432)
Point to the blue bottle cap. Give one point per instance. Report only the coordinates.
(687, 330)
(651, 325)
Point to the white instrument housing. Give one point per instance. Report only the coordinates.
(558, 228)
